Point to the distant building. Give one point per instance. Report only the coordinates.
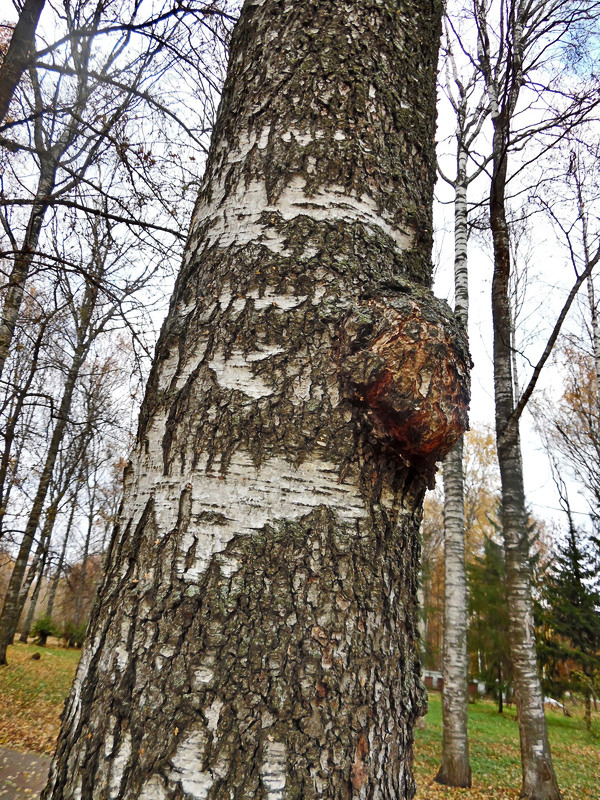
(434, 681)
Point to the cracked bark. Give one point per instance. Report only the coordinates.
(255, 631)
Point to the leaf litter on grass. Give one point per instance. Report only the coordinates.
(32, 696)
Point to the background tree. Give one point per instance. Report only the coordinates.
(481, 502)
(470, 108)
(96, 88)
(569, 419)
(78, 176)
(95, 300)
(510, 52)
(431, 587)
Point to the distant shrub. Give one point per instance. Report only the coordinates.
(73, 635)
(42, 629)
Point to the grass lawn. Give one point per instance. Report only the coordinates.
(495, 756)
(32, 695)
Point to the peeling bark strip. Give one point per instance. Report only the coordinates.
(255, 633)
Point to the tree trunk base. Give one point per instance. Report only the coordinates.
(454, 772)
(542, 786)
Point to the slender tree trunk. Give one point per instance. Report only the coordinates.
(40, 554)
(19, 52)
(84, 562)
(64, 481)
(587, 260)
(539, 781)
(455, 769)
(256, 629)
(61, 561)
(500, 690)
(9, 461)
(24, 637)
(49, 156)
(23, 261)
(461, 239)
(588, 710)
(595, 330)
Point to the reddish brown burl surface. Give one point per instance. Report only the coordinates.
(420, 397)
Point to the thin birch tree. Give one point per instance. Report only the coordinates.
(470, 108)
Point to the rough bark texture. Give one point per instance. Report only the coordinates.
(455, 768)
(255, 633)
(539, 780)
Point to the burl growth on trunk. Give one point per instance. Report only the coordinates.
(409, 370)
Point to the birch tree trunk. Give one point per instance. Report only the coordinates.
(9, 459)
(255, 631)
(61, 559)
(12, 607)
(35, 570)
(455, 769)
(24, 637)
(588, 259)
(595, 328)
(84, 558)
(539, 780)
(24, 259)
(504, 75)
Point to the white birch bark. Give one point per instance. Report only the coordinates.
(455, 769)
(539, 780)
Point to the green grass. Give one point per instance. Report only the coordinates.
(32, 695)
(495, 757)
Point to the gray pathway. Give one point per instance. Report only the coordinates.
(22, 775)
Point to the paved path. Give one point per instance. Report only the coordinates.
(22, 775)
